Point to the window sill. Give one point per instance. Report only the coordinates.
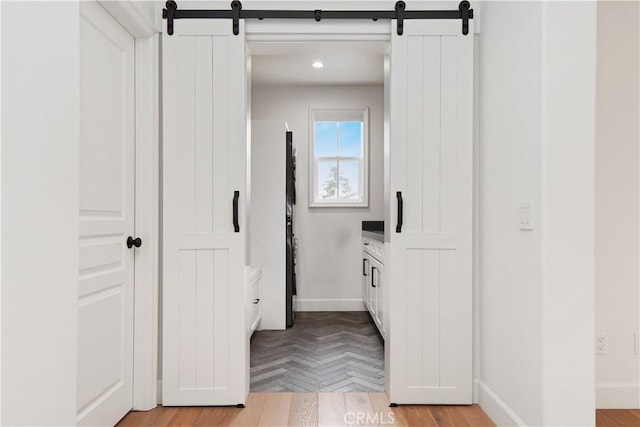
(339, 205)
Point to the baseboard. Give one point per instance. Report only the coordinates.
(495, 407)
(617, 396)
(307, 304)
(475, 391)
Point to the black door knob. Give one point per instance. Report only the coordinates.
(131, 242)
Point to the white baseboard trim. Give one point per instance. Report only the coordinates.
(617, 396)
(495, 407)
(308, 304)
(475, 391)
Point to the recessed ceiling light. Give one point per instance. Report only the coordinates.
(317, 64)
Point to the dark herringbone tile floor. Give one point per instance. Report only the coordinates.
(323, 351)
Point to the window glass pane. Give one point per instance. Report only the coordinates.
(338, 156)
(326, 134)
(327, 180)
(349, 180)
(350, 139)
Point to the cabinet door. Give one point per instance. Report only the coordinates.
(373, 294)
(378, 279)
(376, 292)
(366, 264)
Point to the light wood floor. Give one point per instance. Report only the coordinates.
(330, 409)
(312, 409)
(617, 417)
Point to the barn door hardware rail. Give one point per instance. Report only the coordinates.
(171, 13)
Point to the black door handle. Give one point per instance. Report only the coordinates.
(131, 242)
(236, 224)
(373, 277)
(364, 267)
(400, 203)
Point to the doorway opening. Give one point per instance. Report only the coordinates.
(207, 235)
(317, 179)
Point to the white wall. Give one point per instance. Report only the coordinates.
(510, 169)
(40, 146)
(536, 114)
(567, 214)
(329, 257)
(617, 210)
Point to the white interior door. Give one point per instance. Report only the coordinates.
(105, 291)
(205, 341)
(431, 165)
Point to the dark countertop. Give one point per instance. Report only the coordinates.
(373, 226)
(373, 229)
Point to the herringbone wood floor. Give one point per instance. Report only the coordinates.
(322, 352)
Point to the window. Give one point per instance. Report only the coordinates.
(339, 147)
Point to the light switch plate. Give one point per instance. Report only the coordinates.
(526, 215)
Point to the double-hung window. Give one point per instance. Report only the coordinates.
(339, 148)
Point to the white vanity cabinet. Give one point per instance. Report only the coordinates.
(373, 289)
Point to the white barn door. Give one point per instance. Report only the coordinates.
(431, 174)
(205, 345)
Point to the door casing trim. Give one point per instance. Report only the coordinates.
(147, 198)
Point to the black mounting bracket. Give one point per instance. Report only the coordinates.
(236, 7)
(400, 14)
(466, 13)
(169, 13)
(400, 7)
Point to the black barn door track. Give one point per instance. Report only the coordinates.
(236, 13)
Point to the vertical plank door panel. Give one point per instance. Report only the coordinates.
(204, 153)
(429, 279)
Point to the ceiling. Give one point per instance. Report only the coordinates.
(345, 63)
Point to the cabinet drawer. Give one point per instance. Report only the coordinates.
(374, 247)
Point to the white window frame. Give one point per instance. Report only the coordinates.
(339, 115)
